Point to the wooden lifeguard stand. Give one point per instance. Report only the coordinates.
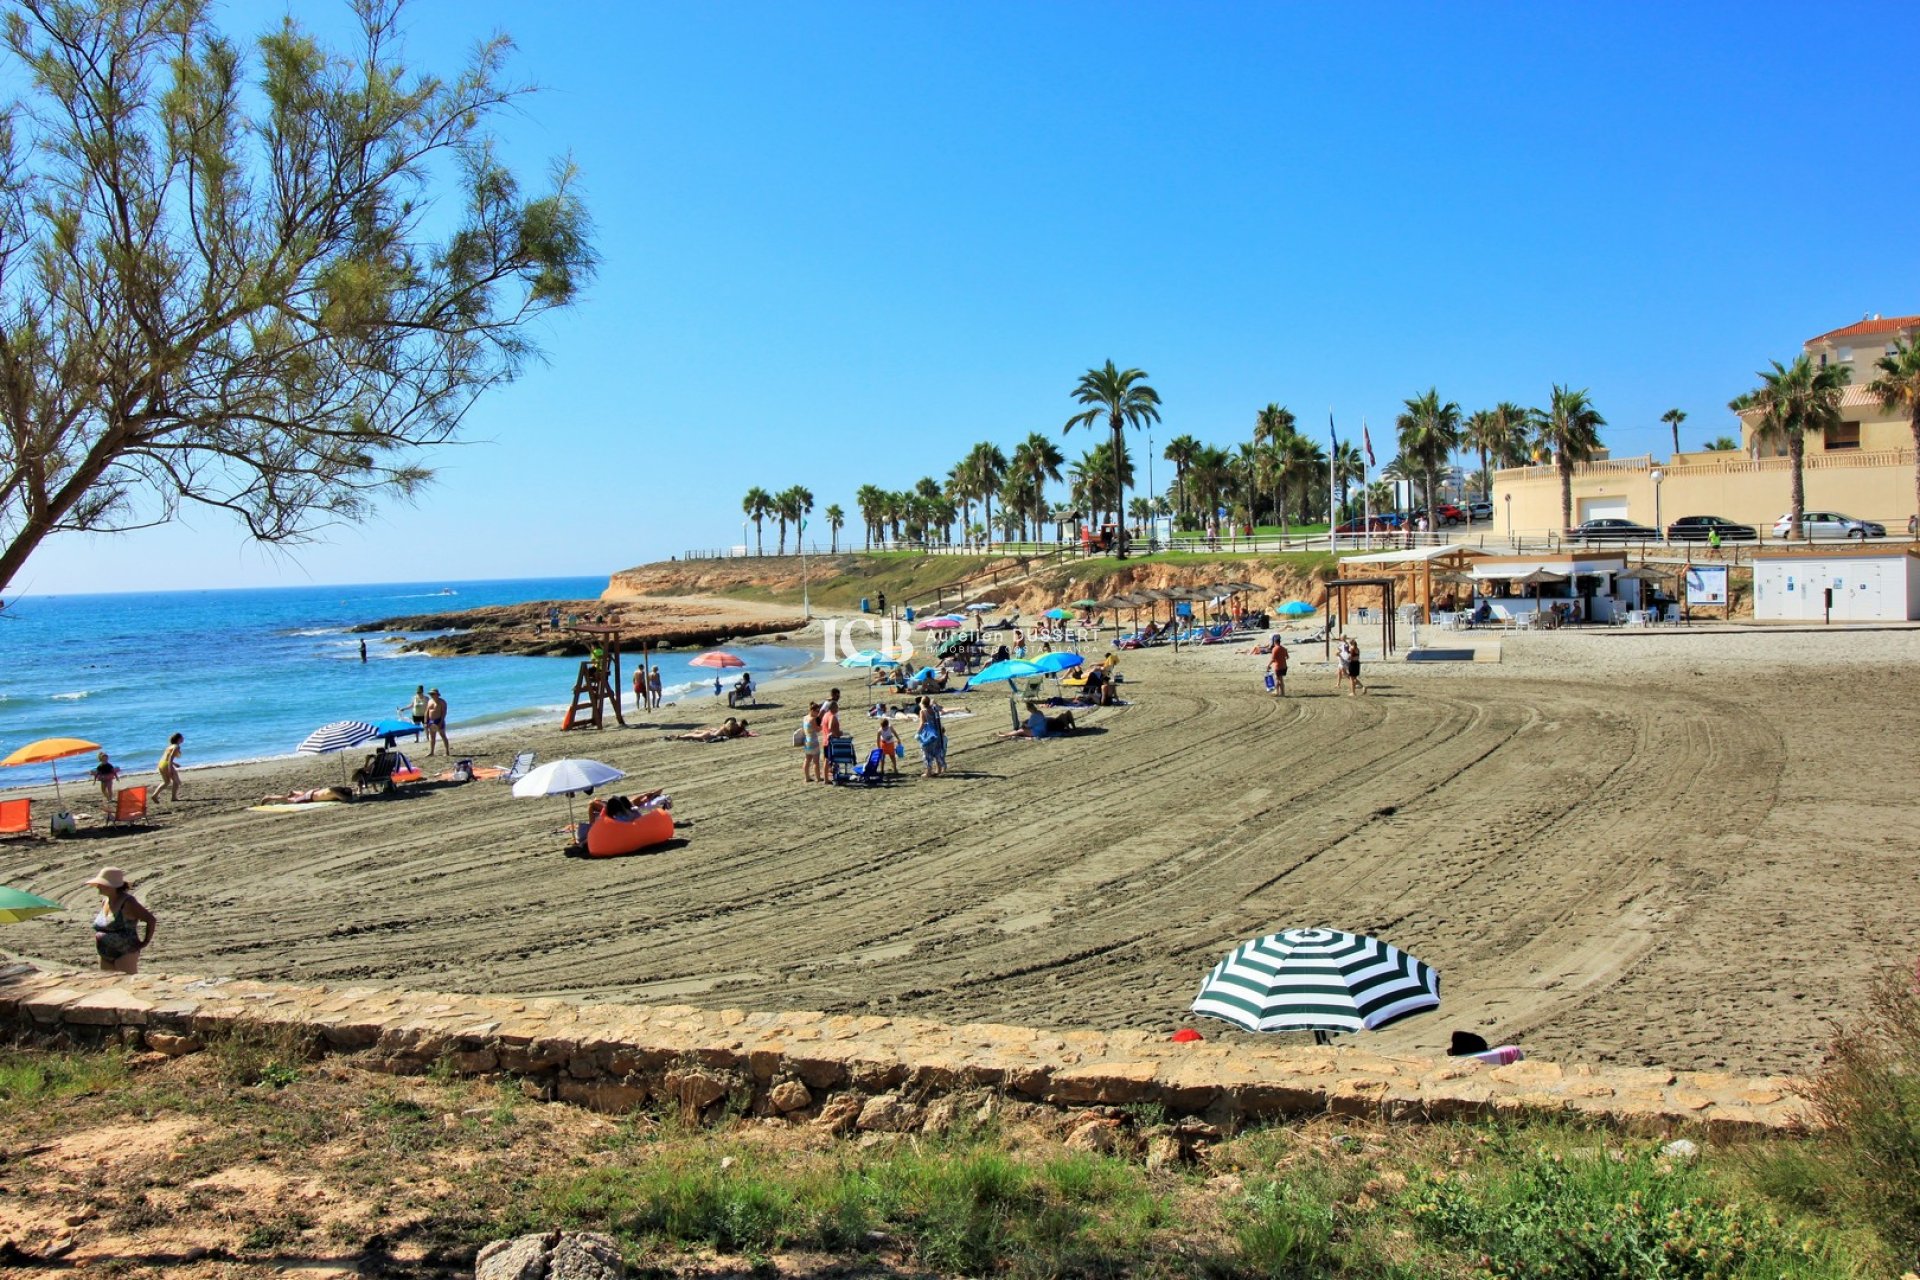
(597, 685)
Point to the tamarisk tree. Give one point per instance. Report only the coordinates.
(262, 283)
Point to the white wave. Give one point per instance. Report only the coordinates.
(315, 631)
(70, 697)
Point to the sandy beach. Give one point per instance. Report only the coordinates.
(1688, 850)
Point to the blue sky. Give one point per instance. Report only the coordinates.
(844, 242)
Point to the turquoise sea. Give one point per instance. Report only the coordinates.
(247, 674)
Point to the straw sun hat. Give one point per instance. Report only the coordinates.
(109, 878)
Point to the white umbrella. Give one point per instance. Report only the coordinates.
(564, 778)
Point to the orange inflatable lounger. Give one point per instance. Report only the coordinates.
(611, 837)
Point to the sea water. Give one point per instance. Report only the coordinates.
(247, 674)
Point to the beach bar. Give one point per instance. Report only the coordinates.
(1586, 582)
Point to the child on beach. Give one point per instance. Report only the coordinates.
(811, 770)
(106, 774)
(889, 743)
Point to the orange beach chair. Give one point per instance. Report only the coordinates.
(130, 805)
(16, 816)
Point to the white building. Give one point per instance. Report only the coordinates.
(1870, 584)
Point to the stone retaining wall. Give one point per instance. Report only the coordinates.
(867, 1072)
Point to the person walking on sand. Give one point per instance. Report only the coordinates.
(653, 683)
(1277, 669)
(640, 688)
(1350, 666)
(170, 768)
(116, 933)
(437, 721)
(106, 775)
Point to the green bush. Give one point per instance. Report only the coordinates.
(1631, 1216)
(1867, 1097)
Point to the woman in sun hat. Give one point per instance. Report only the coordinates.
(116, 933)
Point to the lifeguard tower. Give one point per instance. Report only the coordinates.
(598, 683)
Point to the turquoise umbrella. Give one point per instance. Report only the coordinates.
(1296, 609)
(1010, 670)
(1053, 663)
(869, 658)
(17, 905)
(1059, 615)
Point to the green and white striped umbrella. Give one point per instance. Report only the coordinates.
(1318, 980)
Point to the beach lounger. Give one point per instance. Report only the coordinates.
(522, 765)
(16, 816)
(130, 805)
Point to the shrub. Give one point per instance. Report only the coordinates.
(1599, 1216)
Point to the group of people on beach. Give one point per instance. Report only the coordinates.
(822, 725)
(646, 687)
(1346, 665)
(429, 712)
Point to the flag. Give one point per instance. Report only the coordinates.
(1333, 431)
(1366, 438)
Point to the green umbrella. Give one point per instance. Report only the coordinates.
(17, 905)
(1086, 604)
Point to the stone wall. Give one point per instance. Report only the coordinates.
(867, 1072)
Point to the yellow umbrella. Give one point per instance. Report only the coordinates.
(47, 750)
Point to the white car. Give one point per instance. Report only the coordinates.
(1828, 524)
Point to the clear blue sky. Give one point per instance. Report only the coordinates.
(843, 242)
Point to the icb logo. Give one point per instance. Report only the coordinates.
(866, 638)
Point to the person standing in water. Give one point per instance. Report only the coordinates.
(363, 651)
(418, 707)
(116, 929)
(170, 768)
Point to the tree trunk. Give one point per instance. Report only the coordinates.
(1486, 477)
(1913, 422)
(1565, 466)
(1797, 453)
(759, 537)
(1676, 437)
(1119, 493)
(987, 502)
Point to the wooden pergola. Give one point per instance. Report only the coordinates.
(1337, 611)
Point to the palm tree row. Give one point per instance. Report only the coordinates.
(788, 507)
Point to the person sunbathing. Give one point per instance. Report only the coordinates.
(720, 733)
(1041, 725)
(319, 795)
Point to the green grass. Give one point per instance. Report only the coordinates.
(33, 1079)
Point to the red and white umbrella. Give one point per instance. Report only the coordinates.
(718, 660)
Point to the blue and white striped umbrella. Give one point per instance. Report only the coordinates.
(1319, 980)
(338, 736)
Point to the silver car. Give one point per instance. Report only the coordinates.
(1828, 524)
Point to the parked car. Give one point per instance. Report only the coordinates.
(1829, 524)
(1361, 524)
(1611, 531)
(1448, 515)
(1700, 528)
(1478, 511)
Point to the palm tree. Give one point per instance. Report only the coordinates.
(1571, 428)
(1124, 399)
(835, 519)
(1722, 444)
(870, 498)
(1487, 434)
(1673, 418)
(758, 504)
(961, 486)
(1380, 495)
(1294, 457)
(1180, 452)
(1272, 425)
(1794, 400)
(1095, 475)
(1898, 387)
(791, 506)
(1348, 467)
(1429, 433)
(1512, 425)
(988, 467)
(1036, 460)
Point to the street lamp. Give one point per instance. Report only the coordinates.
(1658, 527)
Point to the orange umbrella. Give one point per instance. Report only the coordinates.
(47, 750)
(719, 660)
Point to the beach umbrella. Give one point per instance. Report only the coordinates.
(718, 660)
(1644, 573)
(340, 735)
(981, 606)
(1318, 980)
(1048, 664)
(1296, 609)
(17, 905)
(391, 729)
(564, 778)
(936, 624)
(1058, 615)
(1010, 670)
(869, 658)
(1087, 604)
(46, 751)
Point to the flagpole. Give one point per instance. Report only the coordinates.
(1366, 484)
(1333, 486)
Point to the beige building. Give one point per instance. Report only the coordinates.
(1864, 467)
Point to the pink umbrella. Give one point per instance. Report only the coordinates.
(719, 660)
(935, 624)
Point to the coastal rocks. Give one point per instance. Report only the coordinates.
(557, 1255)
(524, 630)
(790, 1095)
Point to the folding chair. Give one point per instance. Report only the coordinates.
(130, 805)
(16, 816)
